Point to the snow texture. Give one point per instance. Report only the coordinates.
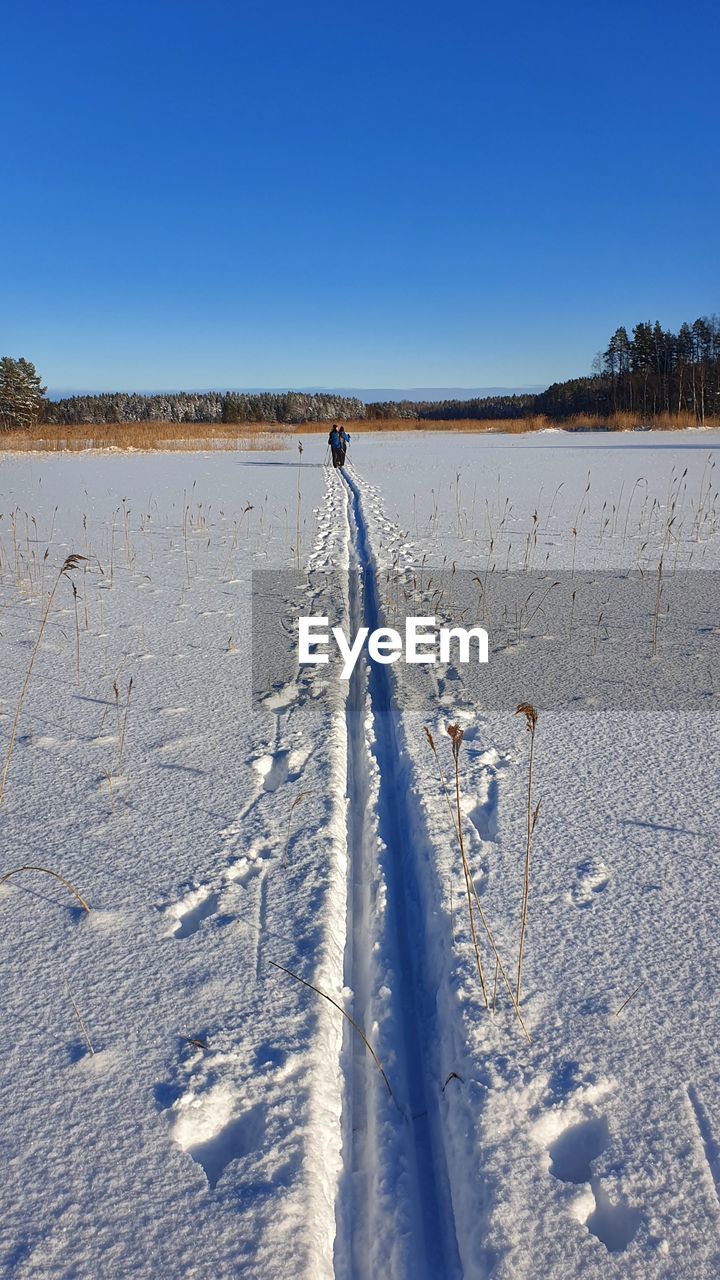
(229, 1120)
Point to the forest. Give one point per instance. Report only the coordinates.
(653, 373)
(643, 378)
(203, 406)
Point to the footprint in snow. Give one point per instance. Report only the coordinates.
(282, 698)
(281, 766)
(273, 769)
(575, 1136)
(571, 1159)
(209, 1120)
(187, 915)
(592, 879)
(213, 1129)
(483, 811)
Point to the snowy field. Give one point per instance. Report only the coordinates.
(173, 1103)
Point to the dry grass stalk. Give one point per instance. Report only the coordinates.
(156, 436)
(77, 635)
(525, 709)
(123, 729)
(194, 1041)
(298, 800)
(188, 436)
(46, 871)
(78, 1015)
(344, 1013)
(499, 966)
(656, 610)
(185, 545)
(457, 829)
(456, 736)
(108, 776)
(626, 1002)
(453, 732)
(72, 562)
(297, 508)
(441, 775)
(116, 695)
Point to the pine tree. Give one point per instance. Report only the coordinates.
(21, 394)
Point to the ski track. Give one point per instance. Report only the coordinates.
(708, 1143)
(396, 1146)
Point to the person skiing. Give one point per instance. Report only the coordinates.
(338, 441)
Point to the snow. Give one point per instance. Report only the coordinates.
(230, 1120)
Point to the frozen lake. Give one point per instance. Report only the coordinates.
(177, 1105)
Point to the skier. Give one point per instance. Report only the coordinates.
(338, 441)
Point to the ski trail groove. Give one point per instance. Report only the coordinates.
(709, 1144)
(397, 1150)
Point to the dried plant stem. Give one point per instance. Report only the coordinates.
(456, 735)
(530, 714)
(46, 871)
(186, 511)
(77, 635)
(344, 1013)
(656, 610)
(499, 964)
(626, 1002)
(298, 800)
(466, 868)
(79, 1017)
(123, 729)
(441, 776)
(116, 693)
(70, 563)
(297, 508)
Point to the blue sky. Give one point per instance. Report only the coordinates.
(211, 193)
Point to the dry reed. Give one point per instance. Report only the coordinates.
(456, 737)
(202, 436)
(46, 871)
(78, 1015)
(524, 708)
(344, 1013)
(298, 800)
(71, 562)
(146, 436)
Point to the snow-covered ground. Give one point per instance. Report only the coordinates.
(229, 1119)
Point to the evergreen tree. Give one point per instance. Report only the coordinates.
(21, 394)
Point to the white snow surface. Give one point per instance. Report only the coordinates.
(229, 1120)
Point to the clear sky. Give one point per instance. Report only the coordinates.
(390, 193)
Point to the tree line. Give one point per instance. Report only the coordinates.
(489, 408)
(652, 372)
(203, 406)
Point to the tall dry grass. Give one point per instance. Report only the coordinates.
(456, 735)
(331, 1000)
(528, 711)
(47, 872)
(144, 436)
(71, 563)
(201, 436)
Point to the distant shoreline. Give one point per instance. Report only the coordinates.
(263, 436)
